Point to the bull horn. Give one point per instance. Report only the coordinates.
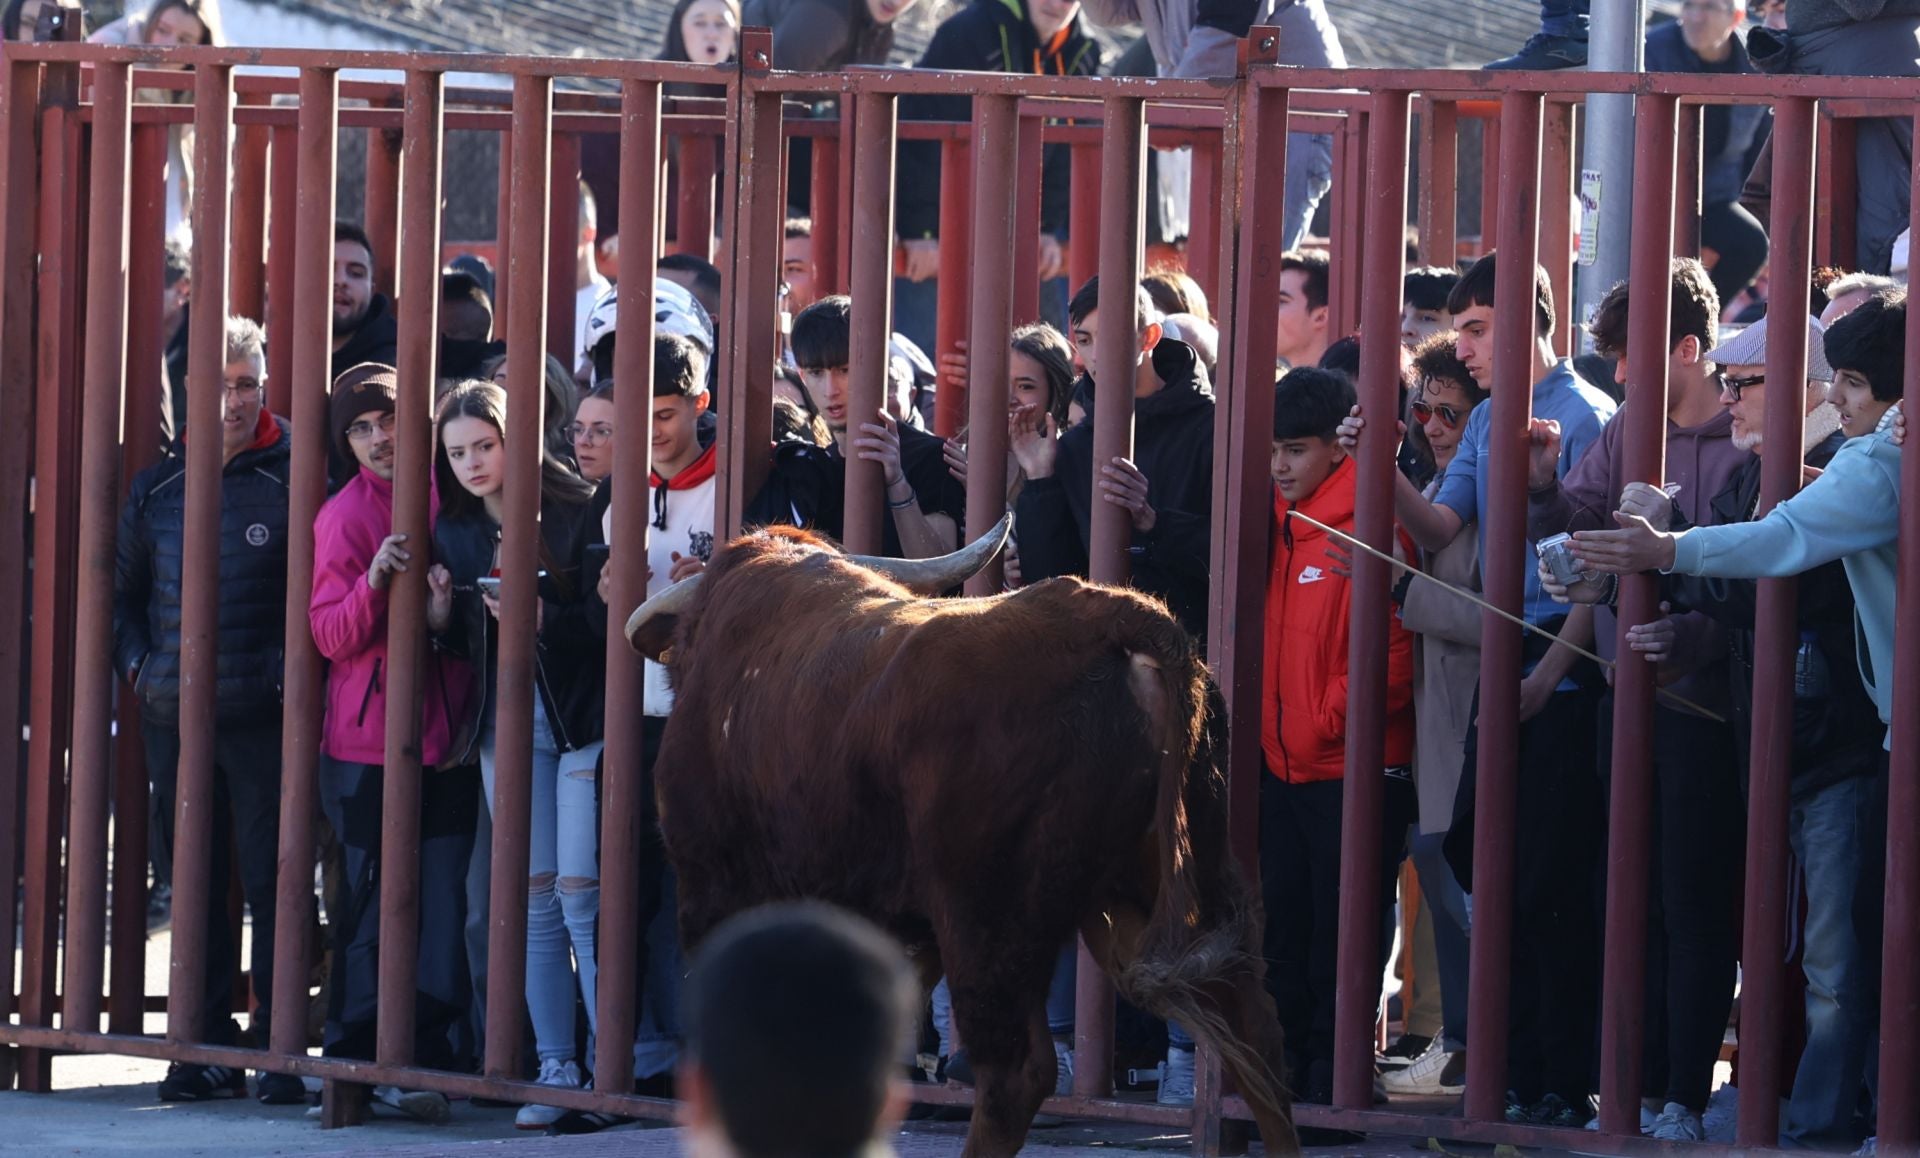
(931, 576)
(672, 601)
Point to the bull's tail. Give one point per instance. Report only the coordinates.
(1202, 944)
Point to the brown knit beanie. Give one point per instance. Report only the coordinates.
(368, 386)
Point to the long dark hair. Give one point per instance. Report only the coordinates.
(488, 403)
(1050, 348)
(675, 45)
(207, 12)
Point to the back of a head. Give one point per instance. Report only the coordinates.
(1086, 300)
(1343, 355)
(1427, 288)
(1871, 341)
(1475, 288)
(1175, 292)
(1309, 402)
(823, 334)
(1693, 311)
(703, 275)
(797, 1016)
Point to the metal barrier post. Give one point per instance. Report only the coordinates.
(315, 145)
(247, 260)
(827, 270)
(1203, 225)
(1122, 200)
(194, 832)
(418, 358)
(1630, 831)
(1439, 182)
(563, 250)
(694, 157)
(104, 386)
(621, 837)
(1504, 579)
(1026, 230)
(1558, 242)
(872, 321)
(1900, 979)
(382, 215)
(956, 274)
(1357, 994)
(1769, 902)
(754, 238)
(991, 320)
(519, 557)
(1083, 243)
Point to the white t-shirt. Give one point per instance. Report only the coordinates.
(688, 530)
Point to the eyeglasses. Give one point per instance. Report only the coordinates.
(246, 389)
(363, 430)
(1733, 386)
(1423, 412)
(596, 435)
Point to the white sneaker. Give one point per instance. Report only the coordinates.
(1676, 1123)
(1868, 1148)
(1648, 1119)
(1176, 1078)
(561, 1073)
(420, 1105)
(1062, 1069)
(1437, 1070)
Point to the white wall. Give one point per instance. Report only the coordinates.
(254, 23)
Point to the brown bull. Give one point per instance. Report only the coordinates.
(982, 777)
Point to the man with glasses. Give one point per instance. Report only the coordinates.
(1705, 40)
(1693, 936)
(149, 578)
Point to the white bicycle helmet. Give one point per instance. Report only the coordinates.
(675, 311)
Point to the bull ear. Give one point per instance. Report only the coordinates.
(650, 627)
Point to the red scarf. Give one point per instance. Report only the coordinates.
(691, 475)
(266, 432)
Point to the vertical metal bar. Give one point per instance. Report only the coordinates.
(754, 239)
(1439, 182)
(1823, 164)
(1356, 997)
(621, 786)
(1353, 195)
(1557, 243)
(844, 208)
(383, 207)
(1844, 176)
(1490, 137)
(247, 262)
(1769, 903)
(283, 198)
(695, 156)
(55, 477)
(1899, 1122)
(19, 108)
(1026, 229)
(872, 279)
(1505, 556)
(519, 555)
(956, 272)
(503, 232)
(304, 394)
(1083, 244)
(563, 251)
(829, 275)
(995, 217)
(407, 594)
(1686, 183)
(147, 394)
(1203, 226)
(104, 384)
(194, 834)
(1122, 224)
(1630, 830)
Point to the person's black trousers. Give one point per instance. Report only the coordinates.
(1741, 242)
(1697, 861)
(350, 795)
(1300, 885)
(246, 827)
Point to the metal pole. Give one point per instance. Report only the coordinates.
(994, 216)
(872, 321)
(1616, 42)
(954, 288)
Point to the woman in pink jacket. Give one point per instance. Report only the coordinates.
(356, 555)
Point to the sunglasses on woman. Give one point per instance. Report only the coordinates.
(1423, 413)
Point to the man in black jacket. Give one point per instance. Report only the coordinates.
(1024, 37)
(148, 580)
(364, 327)
(1167, 488)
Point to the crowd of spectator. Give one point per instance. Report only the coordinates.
(1701, 534)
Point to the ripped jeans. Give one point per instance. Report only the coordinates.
(563, 884)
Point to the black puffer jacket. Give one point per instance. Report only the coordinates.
(1173, 447)
(253, 584)
(570, 660)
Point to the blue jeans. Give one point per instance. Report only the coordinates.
(1309, 176)
(1059, 1000)
(1825, 831)
(1564, 17)
(563, 885)
(1451, 910)
(656, 1044)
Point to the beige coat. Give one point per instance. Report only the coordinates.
(1446, 672)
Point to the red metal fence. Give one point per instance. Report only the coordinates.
(79, 328)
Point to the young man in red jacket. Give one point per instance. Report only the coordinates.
(1303, 720)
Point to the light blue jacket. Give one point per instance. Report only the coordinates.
(1851, 513)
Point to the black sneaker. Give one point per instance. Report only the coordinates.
(585, 1122)
(1401, 1053)
(191, 1083)
(1544, 51)
(1517, 1111)
(159, 909)
(279, 1089)
(1554, 1110)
